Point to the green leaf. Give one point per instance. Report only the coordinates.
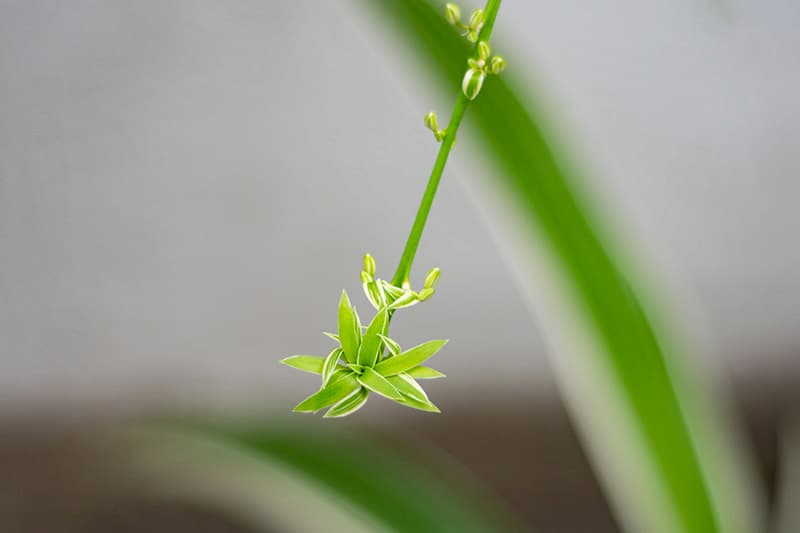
(337, 389)
(349, 333)
(406, 384)
(371, 344)
(306, 363)
(349, 405)
(410, 358)
(326, 476)
(688, 462)
(393, 347)
(377, 383)
(424, 372)
(391, 291)
(416, 404)
(332, 336)
(331, 364)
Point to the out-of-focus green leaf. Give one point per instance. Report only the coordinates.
(363, 478)
(670, 463)
(409, 358)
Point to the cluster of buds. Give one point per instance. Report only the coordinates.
(383, 295)
(472, 28)
(480, 68)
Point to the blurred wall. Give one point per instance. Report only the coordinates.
(185, 187)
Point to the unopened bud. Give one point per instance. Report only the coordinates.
(483, 50)
(452, 13)
(432, 278)
(430, 122)
(369, 265)
(476, 20)
(472, 83)
(497, 65)
(426, 293)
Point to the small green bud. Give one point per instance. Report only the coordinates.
(426, 293)
(497, 65)
(369, 265)
(472, 83)
(432, 278)
(430, 122)
(453, 13)
(477, 64)
(365, 277)
(483, 50)
(476, 20)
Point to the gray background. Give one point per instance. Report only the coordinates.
(185, 187)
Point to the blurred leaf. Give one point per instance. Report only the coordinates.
(668, 459)
(366, 480)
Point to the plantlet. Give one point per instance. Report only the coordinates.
(366, 358)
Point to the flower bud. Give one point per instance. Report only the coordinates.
(476, 20)
(497, 65)
(430, 122)
(365, 277)
(472, 83)
(452, 13)
(426, 293)
(483, 50)
(369, 265)
(432, 278)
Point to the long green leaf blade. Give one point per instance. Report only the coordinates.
(410, 358)
(331, 364)
(686, 468)
(348, 334)
(334, 391)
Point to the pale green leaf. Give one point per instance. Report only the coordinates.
(424, 372)
(406, 384)
(306, 363)
(330, 364)
(377, 383)
(336, 390)
(348, 328)
(393, 347)
(374, 293)
(371, 344)
(391, 291)
(408, 299)
(416, 404)
(349, 405)
(332, 336)
(410, 358)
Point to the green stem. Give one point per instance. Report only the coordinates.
(407, 259)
